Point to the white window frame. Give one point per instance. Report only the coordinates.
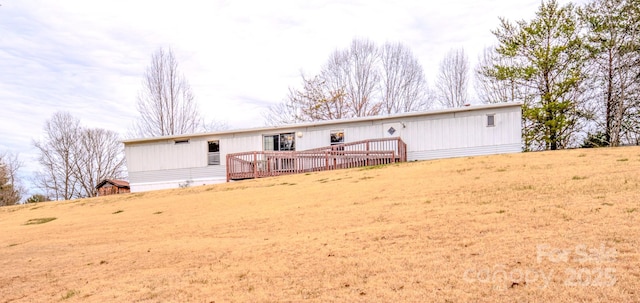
(279, 135)
(336, 131)
(493, 120)
(213, 158)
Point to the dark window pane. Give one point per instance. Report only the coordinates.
(214, 146)
(287, 141)
(337, 137)
(490, 120)
(270, 143)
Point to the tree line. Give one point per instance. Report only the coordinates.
(576, 69)
(363, 80)
(74, 158)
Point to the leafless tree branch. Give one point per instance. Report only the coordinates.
(363, 80)
(453, 79)
(166, 103)
(11, 190)
(75, 159)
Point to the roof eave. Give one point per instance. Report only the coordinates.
(327, 122)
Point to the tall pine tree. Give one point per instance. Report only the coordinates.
(546, 58)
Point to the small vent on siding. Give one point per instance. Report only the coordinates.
(186, 141)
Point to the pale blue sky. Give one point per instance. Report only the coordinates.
(88, 57)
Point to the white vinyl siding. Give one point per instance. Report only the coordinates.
(427, 135)
(166, 155)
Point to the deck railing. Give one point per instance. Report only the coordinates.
(382, 144)
(259, 164)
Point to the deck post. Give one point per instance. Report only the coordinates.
(255, 165)
(367, 163)
(399, 149)
(402, 149)
(326, 160)
(228, 168)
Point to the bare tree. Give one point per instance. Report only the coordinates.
(453, 79)
(57, 157)
(166, 103)
(13, 164)
(213, 125)
(314, 102)
(488, 87)
(7, 192)
(613, 35)
(75, 159)
(363, 80)
(403, 84)
(354, 71)
(282, 113)
(98, 155)
(11, 190)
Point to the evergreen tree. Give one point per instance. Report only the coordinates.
(9, 195)
(546, 58)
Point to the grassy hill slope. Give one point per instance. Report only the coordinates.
(548, 226)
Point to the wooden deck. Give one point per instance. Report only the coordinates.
(260, 164)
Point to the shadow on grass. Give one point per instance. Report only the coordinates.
(39, 221)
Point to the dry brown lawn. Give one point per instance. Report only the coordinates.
(534, 227)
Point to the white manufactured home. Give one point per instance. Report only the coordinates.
(197, 159)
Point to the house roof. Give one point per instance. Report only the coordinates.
(330, 122)
(114, 182)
